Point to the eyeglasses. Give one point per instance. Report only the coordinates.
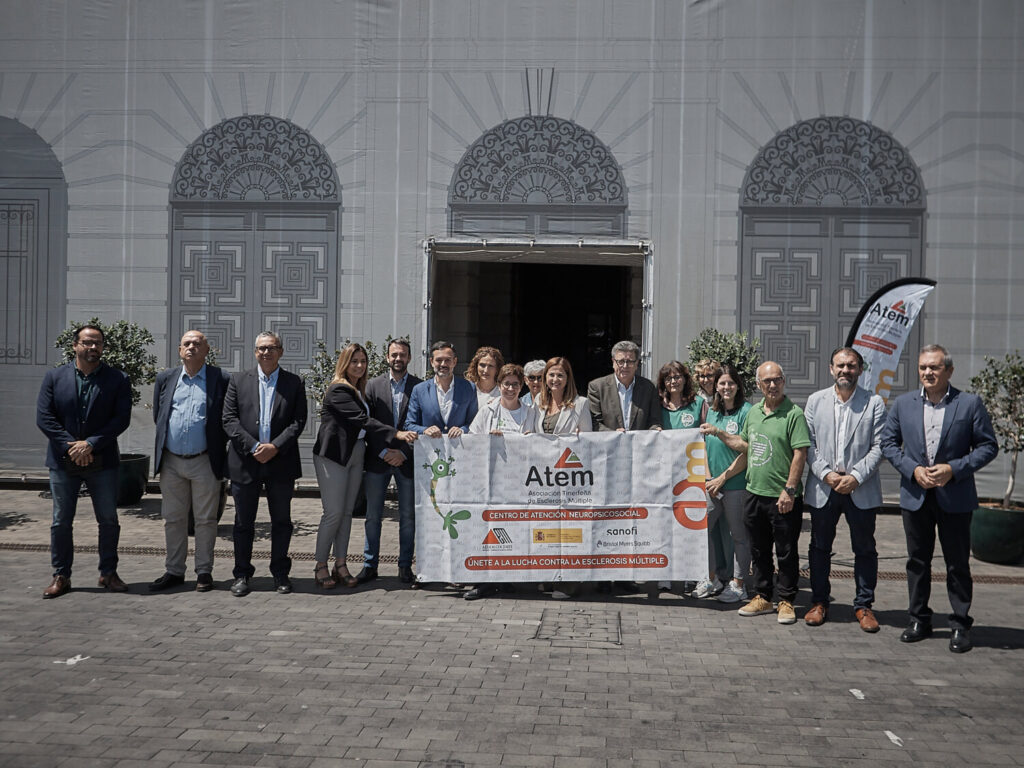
(265, 350)
(674, 377)
(624, 363)
(88, 343)
(534, 378)
(773, 381)
(705, 375)
(511, 385)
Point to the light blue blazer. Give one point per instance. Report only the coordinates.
(861, 455)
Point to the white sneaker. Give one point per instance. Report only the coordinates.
(557, 594)
(707, 588)
(733, 593)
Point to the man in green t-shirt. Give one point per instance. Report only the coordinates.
(775, 441)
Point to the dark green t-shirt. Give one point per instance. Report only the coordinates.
(772, 438)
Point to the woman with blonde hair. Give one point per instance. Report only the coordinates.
(561, 410)
(338, 454)
(483, 372)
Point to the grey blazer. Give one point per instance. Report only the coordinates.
(603, 396)
(863, 450)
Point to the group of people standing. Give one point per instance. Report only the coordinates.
(246, 426)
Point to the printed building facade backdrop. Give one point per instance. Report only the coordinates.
(547, 177)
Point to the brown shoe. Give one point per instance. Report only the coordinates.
(817, 615)
(112, 583)
(60, 585)
(867, 619)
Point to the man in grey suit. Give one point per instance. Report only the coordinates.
(623, 400)
(937, 437)
(845, 423)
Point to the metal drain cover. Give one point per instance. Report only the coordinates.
(591, 629)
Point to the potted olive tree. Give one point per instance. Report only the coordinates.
(733, 348)
(126, 348)
(997, 530)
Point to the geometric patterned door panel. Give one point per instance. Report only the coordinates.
(237, 274)
(831, 210)
(802, 289)
(255, 207)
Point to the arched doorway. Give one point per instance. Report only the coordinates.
(255, 221)
(554, 182)
(33, 266)
(831, 209)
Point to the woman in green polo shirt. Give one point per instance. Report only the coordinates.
(728, 412)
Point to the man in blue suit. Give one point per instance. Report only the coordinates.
(83, 406)
(937, 438)
(442, 405)
(188, 402)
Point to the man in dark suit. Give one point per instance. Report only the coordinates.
(624, 400)
(82, 407)
(264, 414)
(188, 403)
(937, 438)
(388, 396)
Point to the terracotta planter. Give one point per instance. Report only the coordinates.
(997, 535)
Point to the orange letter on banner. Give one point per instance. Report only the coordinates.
(884, 386)
(696, 468)
(679, 508)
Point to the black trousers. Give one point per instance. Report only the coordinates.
(954, 530)
(279, 501)
(768, 528)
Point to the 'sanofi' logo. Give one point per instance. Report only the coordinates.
(567, 472)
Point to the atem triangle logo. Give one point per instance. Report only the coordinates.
(497, 536)
(900, 306)
(569, 460)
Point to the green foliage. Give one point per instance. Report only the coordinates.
(321, 371)
(733, 348)
(1000, 385)
(125, 348)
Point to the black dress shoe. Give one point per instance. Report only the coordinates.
(367, 574)
(960, 641)
(204, 582)
(405, 574)
(166, 581)
(241, 587)
(917, 630)
(283, 585)
(483, 590)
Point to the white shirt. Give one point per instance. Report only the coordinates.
(934, 415)
(483, 398)
(445, 400)
(625, 400)
(841, 412)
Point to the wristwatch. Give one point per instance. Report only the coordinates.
(791, 490)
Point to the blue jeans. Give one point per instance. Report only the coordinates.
(375, 484)
(103, 491)
(862, 541)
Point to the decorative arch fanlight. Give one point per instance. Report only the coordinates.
(526, 168)
(255, 158)
(833, 162)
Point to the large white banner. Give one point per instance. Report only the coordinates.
(595, 507)
(882, 328)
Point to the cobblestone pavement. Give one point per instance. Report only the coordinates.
(388, 676)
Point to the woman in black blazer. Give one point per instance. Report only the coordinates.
(338, 454)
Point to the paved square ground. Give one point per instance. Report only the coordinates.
(389, 676)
